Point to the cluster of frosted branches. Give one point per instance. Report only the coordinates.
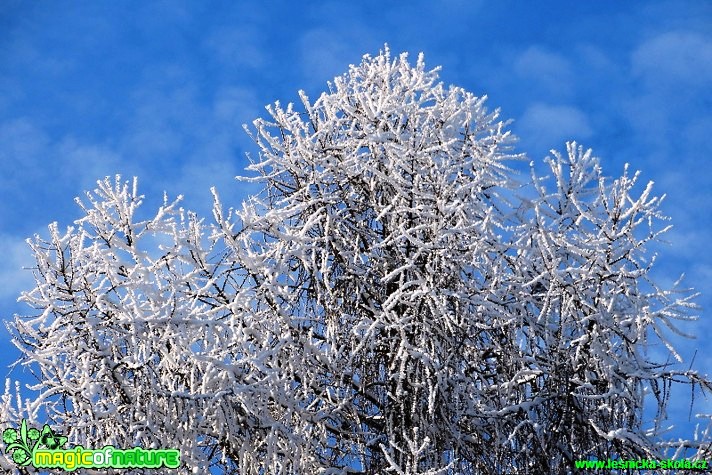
(385, 305)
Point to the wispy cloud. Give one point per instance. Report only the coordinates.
(24, 144)
(544, 69)
(16, 257)
(325, 55)
(236, 48)
(675, 60)
(673, 75)
(85, 163)
(546, 126)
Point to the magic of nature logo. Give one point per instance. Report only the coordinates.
(44, 449)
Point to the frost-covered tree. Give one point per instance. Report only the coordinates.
(393, 301)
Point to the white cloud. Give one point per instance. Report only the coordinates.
(163, 119)
(668, 110)
(84, 164)
(546, 126)
(23, 146)
(545, 69)
(324, 56)
(234, 106)
(32, 176)
(236, 47)
(327, 51)
(14, 277)
(675, 59)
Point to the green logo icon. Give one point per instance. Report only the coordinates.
(22, 443)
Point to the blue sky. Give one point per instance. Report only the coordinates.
(160, 90)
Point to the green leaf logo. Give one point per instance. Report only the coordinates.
(21, 443)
